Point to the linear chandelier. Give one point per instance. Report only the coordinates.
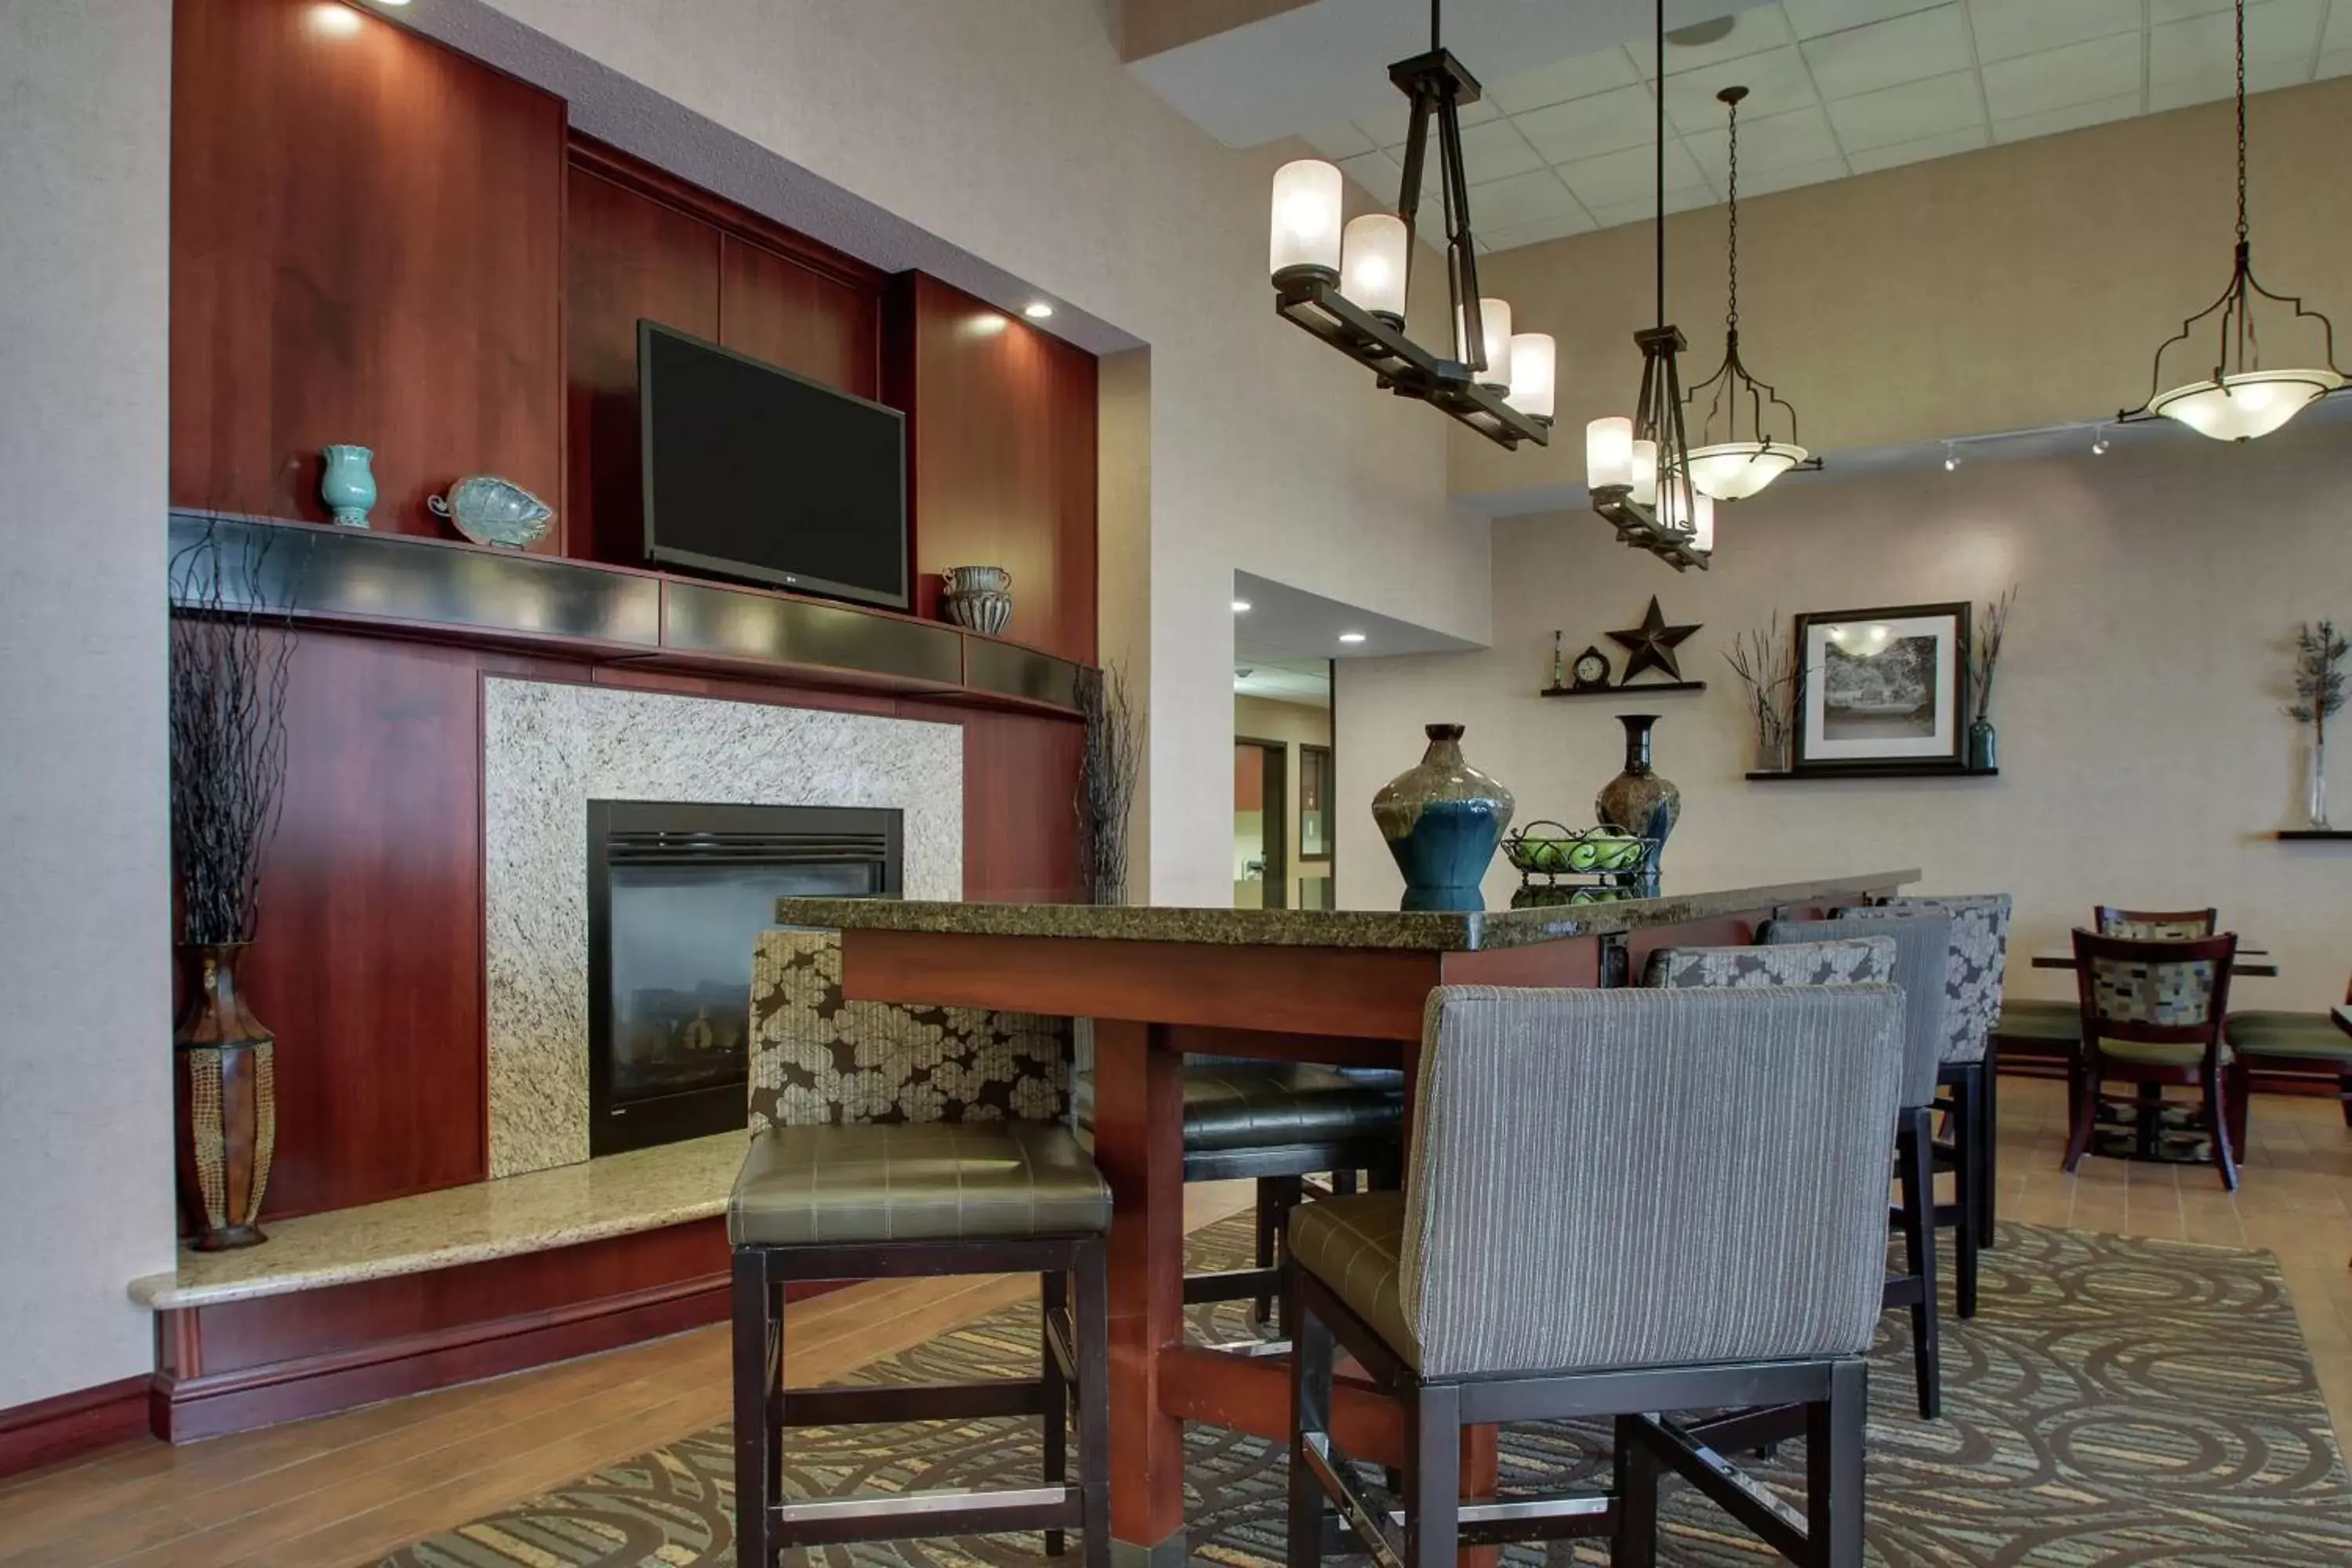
(2242, 398)
(1738, 467)
(1638, 469)
(1347, 286)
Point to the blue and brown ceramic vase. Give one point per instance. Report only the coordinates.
(1443, 819)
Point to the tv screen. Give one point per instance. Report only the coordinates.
(753, 472)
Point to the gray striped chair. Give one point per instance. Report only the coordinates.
(1620, 1203)
(1910, 954)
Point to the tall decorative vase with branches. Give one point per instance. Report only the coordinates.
(2319, 651)
(1766, 663)
(230, 648)
(1106, 779)
(1984, 659)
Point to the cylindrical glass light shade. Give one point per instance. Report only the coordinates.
(1372, 264)
(1494, 329)
(1307, 200)
(1609, 454)
(2240, 407)
(1702, 522)
(1734, 470)
(1646, 473)
(1533, 374)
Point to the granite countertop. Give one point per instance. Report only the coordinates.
(1411, 929)
(616, 1195)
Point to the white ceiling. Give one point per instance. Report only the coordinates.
(1836, 88)
(1306, 681)
(1287, 628)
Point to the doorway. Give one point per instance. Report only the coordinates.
(1261, 824)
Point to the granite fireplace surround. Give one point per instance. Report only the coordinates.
(549, 749)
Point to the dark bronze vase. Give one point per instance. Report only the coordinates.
(1443, 819)
(1637, 800)
(223, 1068)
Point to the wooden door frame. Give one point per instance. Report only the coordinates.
(1277, 814)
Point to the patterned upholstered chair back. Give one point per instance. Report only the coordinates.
(1972, 964)
(2155, 992)
(1640, 1177)
(2156, 925)
(818, 1059)
(1922, 948)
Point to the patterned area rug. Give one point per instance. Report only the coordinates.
(2116, 1401)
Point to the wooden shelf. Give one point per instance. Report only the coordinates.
(2311, 834)
(1878, 770)
(1622, 690)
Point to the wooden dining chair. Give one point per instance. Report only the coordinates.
(2156, 925)
(2152, 1016)
(2307, 1046)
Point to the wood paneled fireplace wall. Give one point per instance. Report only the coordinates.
(377, 240)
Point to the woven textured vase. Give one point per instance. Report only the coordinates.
(223, 1068)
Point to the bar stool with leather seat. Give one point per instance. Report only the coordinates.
(894, 1200)
(1623, 1204)
(1276, 1123)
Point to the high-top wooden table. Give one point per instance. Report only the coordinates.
(1344, 986)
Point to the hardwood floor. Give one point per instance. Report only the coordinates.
(348, 1488)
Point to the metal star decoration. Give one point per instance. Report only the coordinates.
(1651, 645)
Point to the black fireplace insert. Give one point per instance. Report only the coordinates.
(677, 894)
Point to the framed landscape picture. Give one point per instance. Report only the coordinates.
(1883, 686)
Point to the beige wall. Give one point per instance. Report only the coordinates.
(85, 1054)
(2022, 285)
(1270, 453)
(1294, 724)
(1148, 26)
(1123, 567)
(2144, 758)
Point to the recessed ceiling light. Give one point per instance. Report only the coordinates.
(1036, 310)
(1351, 636)
(1241, 606)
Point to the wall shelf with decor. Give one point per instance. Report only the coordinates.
(2311, 834)
(1644, 691)
(1879, 770)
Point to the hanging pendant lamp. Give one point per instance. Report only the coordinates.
(2242, 398)
(1728, 465)
(1347, 286)
(1638, 469)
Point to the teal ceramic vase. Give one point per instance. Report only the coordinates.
(1984, 752)
(348, 484)
(1637, 801)
(1443, 819)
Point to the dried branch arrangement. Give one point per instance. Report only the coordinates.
(2319, 653)
(228, 701)
(1766, 663)
(1107, 780)
(1984, 656)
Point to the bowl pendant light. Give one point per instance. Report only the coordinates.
(1738, 465)
(1345, 282)
(2242, 398)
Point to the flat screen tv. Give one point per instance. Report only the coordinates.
(755, 473)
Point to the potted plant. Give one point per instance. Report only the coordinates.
(229, 650)
(2319, 652)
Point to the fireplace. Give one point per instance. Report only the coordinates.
(676, 893)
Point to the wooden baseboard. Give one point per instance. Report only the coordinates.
(240, 1366)
(67, 1425)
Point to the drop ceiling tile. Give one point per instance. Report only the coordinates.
(1391, 130)
(2337, 63)
(2160, 12)
(1580, 76)
(1643, 210)
(2338, 36)
(1573, 221)
(1888, 54)
(2007, 28)
(1616, 178)
(1764, 181)
(2223, 83)
(2063, 78)
(1752, 32)
(1340, 140)
(1937, 107)
(1777, 83)
(1775, 142)
(1495, 151)
(1374, 172)
(1521, 199)
(1588, 127)
(2276, 30)
(2074, 117)
(1812, 18)
(1920, 151)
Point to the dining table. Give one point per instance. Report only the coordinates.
(1347, 987)
(2252, 963)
